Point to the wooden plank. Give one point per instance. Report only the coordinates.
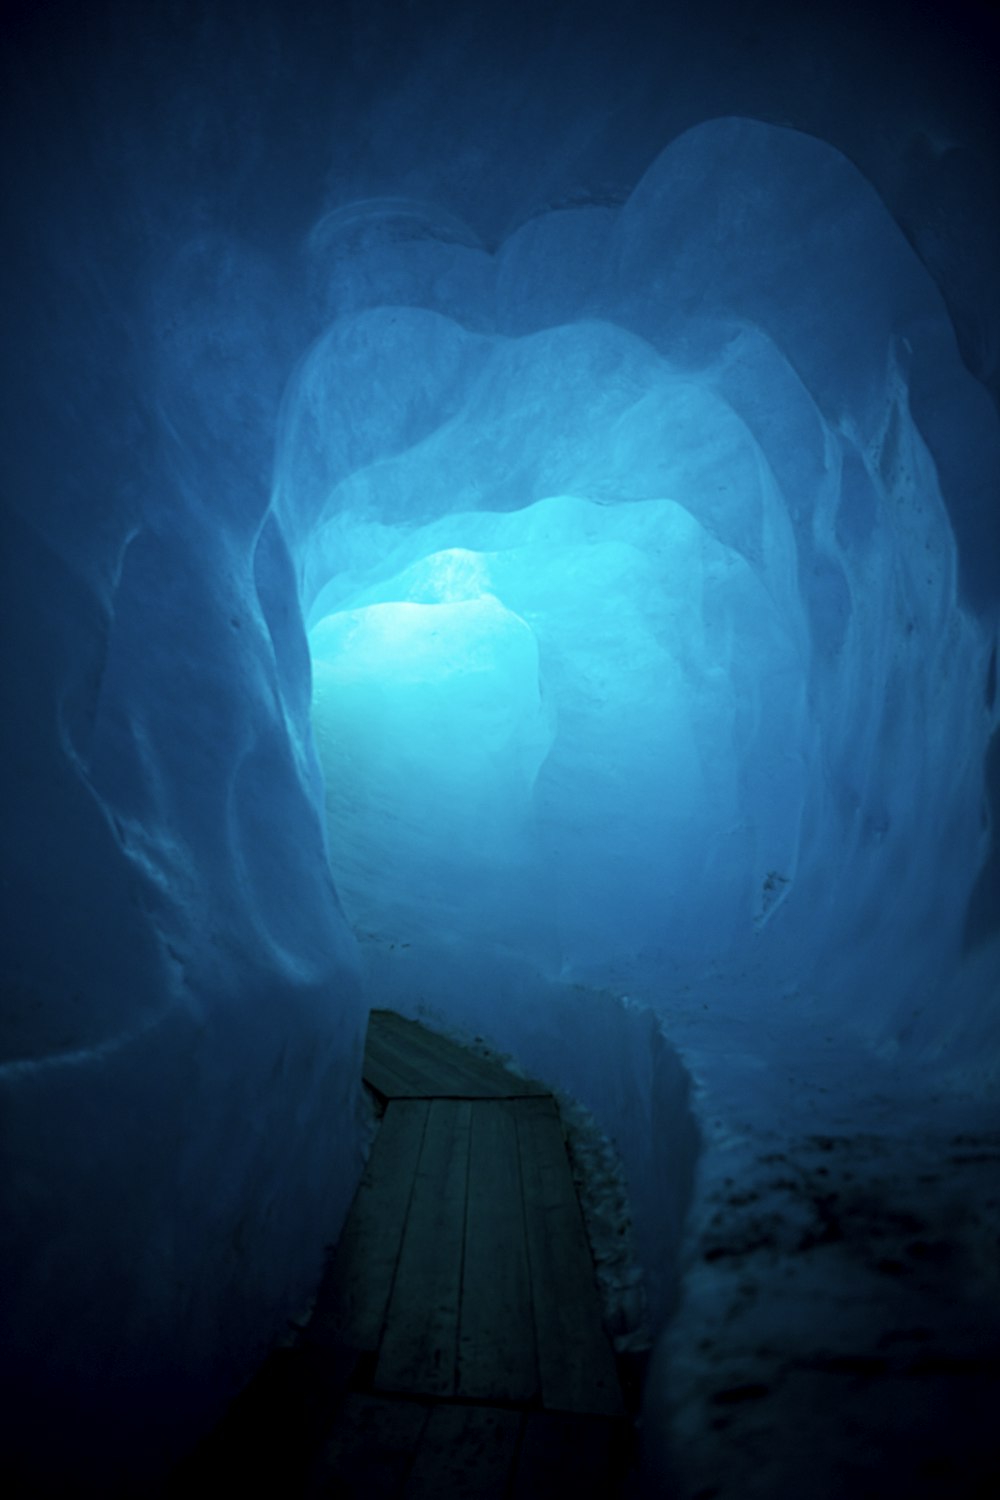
(575, 1360)
(419, 1347)
(370, 1450)
(387, 1077)
(467, 1453)
(414, 1065)
(563, 1454)
(496, 1344)
(429, 1065)
(354, 1293)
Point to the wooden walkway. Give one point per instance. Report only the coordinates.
(456, 1347)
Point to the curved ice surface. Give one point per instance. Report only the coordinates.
(709, 498)
(431, 729)
(642, 642)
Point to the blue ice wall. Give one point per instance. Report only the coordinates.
(180, 990)
(644, 610)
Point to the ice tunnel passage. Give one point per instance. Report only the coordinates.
(694, 461)
(699, 595)
(627, 630)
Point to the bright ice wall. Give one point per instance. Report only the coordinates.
(640, 643)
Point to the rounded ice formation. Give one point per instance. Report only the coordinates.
(642, 635)
(691, 462)
(431, 729)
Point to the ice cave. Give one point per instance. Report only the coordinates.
(501, 525)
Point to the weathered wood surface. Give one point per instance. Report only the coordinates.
(382, 1448)
(370, 1452)
(404, 1060)
(464, 1287)
(466, 1453)
(420, 1344)
(496, 1355)
(576, 1364)
(354, 1294)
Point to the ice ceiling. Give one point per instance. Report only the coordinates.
(636, 621)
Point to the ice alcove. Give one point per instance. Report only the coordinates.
(431, 729)
(629, 568)
(534, 742)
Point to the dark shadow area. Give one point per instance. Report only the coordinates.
(983, 921)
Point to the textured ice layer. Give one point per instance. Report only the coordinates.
(645, 728)
(181, 1019)
(704, 467)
